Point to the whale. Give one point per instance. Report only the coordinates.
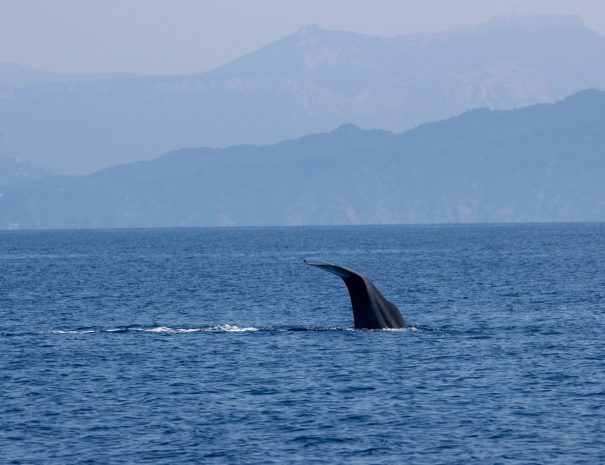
(371, 310)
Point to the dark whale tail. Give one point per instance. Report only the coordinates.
(371, 310)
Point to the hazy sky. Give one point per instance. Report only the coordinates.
(176, 36)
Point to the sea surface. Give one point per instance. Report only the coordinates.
(220, 346)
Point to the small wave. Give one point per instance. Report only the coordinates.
(226, 328)
(213, 329)
(71, 331)
(233, 329)
(158, 329)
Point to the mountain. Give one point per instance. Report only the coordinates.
(13, 171)
(544, 162)
(311, 81)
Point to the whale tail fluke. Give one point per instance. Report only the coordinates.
(371, 310)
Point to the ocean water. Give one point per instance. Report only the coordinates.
(220, 346)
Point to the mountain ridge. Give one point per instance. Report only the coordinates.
(311, 81)
(482, 166)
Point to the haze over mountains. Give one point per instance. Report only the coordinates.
(311, 81)
(13, 171)
(544, 162)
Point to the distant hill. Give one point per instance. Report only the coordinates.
(14, 75)
(13, 171)
(311, 81)
(544, 162)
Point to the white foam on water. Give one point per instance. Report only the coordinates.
(226, 328)
(233, 329)
(159, 329)
(213, 329)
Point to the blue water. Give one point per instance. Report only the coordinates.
(219, 346)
